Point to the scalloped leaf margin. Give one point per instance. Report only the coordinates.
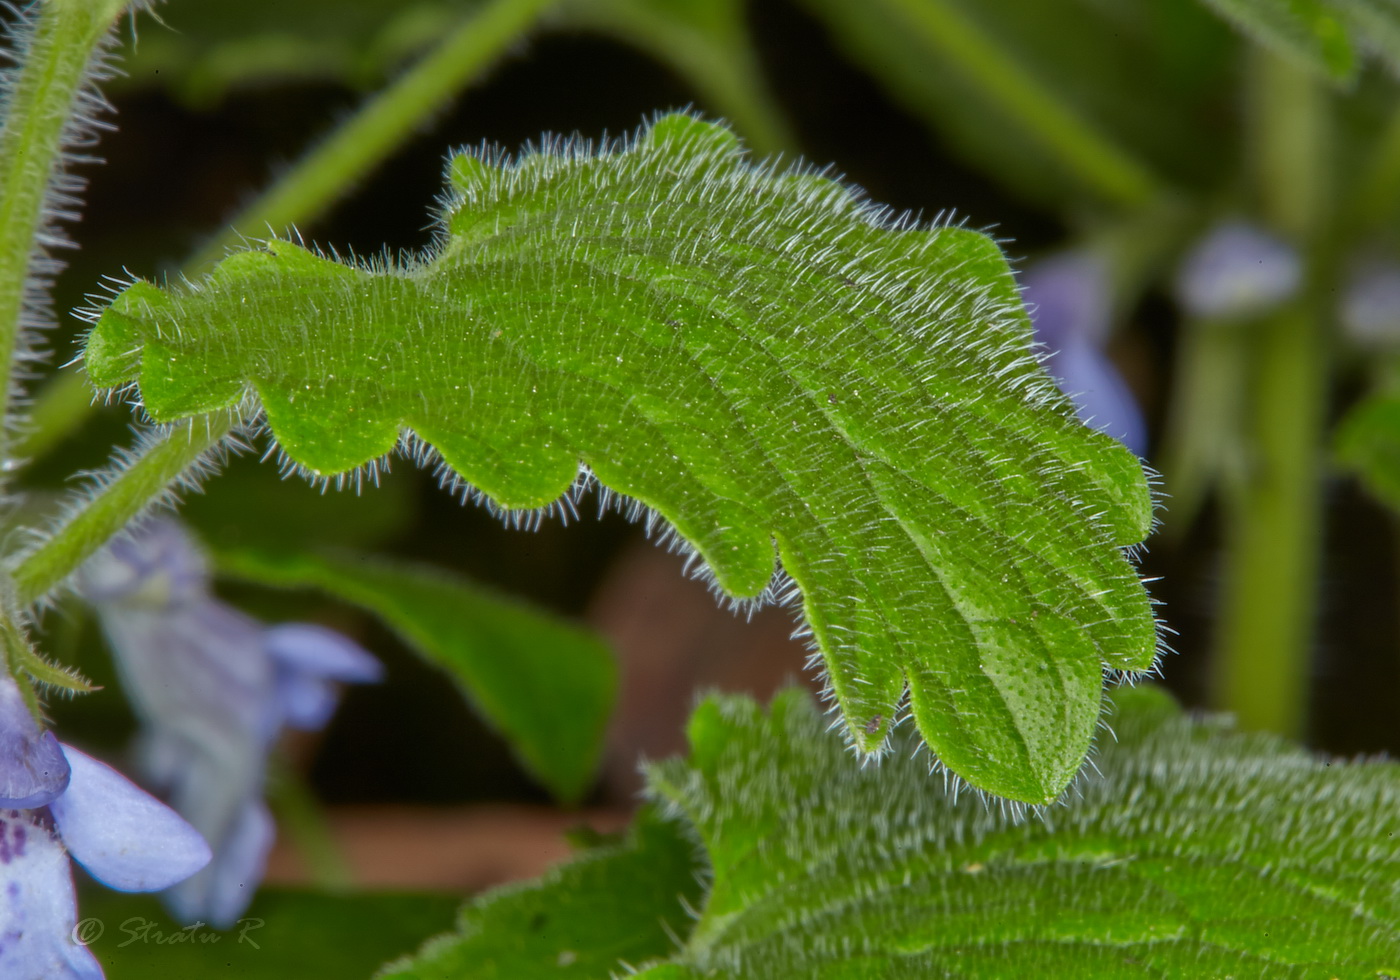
(773, 365)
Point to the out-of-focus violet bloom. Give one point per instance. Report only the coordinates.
(1237, 271)
(1370, 312)
(1067, 296)
(82, 808)
(214, 689)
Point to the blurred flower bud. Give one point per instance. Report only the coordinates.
(1235, 272)
(1370, 312)
(1067, 296)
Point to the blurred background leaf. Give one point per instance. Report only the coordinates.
(546, 684)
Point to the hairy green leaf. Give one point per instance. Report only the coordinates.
(619, 905)
(1308, 31)
(756, 356)
(1197, 852)
(1368, 443)
(546, 684)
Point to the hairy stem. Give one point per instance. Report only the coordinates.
(370, 135)
(1071, 140)
(40, 110)
(1274, 515)
(140, 483)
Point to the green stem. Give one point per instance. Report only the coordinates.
(1205, 444)
(39, 114)
(1074, 143)
(141, 482)
(300, 814)
(1274, 529)
(369, 136)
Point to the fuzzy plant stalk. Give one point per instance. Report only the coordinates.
(1274, 527)
(165, 460)
(1101, 166)
(50, 109)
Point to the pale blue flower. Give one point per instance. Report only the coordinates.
(125, 838)
(1370, 310)
(214, 689)
(1237, 271)
(1067, 296)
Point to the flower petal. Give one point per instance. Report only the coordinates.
(306, 701)
(155, 565)
(123, 836)
(1100, 396)
(1068, 299)
(38, 910)
(322, 652)
(32, 769)
(221, 892)
(1237, 271)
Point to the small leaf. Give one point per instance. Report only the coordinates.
(617, 906)
(546, 684)
(1198, 852)
(1368, 443)
(1305, 30)
(758, 357)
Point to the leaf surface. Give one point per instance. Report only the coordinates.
(546, 684)
(1198, 852)
(774, 367)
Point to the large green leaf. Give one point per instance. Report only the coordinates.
(1194, 852)
(625, 903)
(758, 357)
(284, 935)
(548, 685)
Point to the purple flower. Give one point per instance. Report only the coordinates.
(1370, 311)
(125, 838)
(214, 689)
(1237, 271)
(1067, 296)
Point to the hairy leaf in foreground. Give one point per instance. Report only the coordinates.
(760, 358)
(546, 684)
(618, 904)
(1199, 852)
